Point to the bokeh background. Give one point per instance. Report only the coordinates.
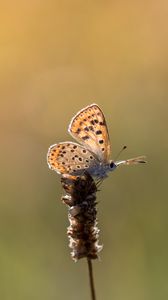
(56, 57)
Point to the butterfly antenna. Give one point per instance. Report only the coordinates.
(123, 148)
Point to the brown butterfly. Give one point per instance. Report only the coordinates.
(92, 154)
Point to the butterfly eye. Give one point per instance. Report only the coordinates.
(112, 165)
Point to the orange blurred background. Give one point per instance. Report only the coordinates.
(56, 57)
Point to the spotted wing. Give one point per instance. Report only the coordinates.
(89, 128)
(70, 158)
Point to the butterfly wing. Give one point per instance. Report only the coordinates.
(70, 158)
(89, 128)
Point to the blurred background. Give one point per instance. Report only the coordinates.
(56, 57)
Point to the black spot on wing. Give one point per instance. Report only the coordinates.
(98, 132)
(95, 121)
(86, 137)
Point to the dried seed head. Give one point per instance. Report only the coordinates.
(81, 199)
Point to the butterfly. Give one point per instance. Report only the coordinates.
(92, 152)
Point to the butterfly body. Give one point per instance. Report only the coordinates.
(92, 154)
(101, 170)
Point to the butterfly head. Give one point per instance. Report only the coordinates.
(133, 161)
(112, 165)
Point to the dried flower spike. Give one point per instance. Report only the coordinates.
(81, 199)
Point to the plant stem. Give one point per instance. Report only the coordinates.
(91, 280)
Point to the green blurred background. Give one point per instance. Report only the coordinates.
(56, 57)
